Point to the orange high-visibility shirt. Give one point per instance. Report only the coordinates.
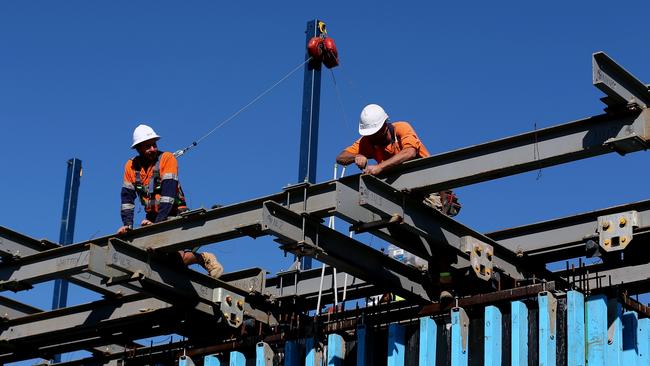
(404, 137)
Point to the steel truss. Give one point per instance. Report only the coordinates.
(148, 294)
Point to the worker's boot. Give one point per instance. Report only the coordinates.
(212, 265)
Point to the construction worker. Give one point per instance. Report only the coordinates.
(153, 176)
(391, 144)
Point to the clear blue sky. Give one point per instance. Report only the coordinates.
(76, 77)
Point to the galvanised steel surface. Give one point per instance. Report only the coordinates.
(304, 235)
(621, 87)
(565, 237)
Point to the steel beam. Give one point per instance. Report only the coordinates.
(176, 285)
(302, 235)
(565, 237)
(621, 87)
(434, 226)
(84, 326)
(555, 145)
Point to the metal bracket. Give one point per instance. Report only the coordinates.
(231, 306)
(464, 326)
(480, 256)
(616, 230)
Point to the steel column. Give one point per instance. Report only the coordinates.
(596, 316)
(492, 336)
(237, 359)
(643, 338)
(185, 361)
(630, 345)
(211, 360)
(335, 350)
(396, 345)
(575, 328)
(313, 355)
(614, 333)
(428, 340)
(519, 329)
(362, 346)
(291, 353)
(547, 328)
(459, 337)
(263, 355)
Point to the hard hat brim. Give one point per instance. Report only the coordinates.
(370, 130)
(156, 137)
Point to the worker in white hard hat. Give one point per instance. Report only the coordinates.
(391, 144)
(153, 177)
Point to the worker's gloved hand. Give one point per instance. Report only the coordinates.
(124, 229)
(146, 222)
(372, 170)
(361, 161)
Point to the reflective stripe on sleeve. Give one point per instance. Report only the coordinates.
(128, 206)
(166, 199)
(170, 176)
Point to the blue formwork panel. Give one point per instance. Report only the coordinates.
(575, 328)
(237, 359)
(596, 315)
(630, 347)
(614, 333)
(291, 354)
(396, 345)
(185, 361)
(643, 340)
(335, 350)
(263, 355)
(547, 328)
(519, 333)
(459, 337)
(362, 345)
(211, 360)
(312, 358)
(492, 336)
(428, 340)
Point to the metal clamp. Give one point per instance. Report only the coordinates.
(480, 256)
(231, 306)
(616, 230)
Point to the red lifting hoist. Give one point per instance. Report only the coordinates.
(322, 48)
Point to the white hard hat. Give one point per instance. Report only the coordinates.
(371, 120)
(143, 133)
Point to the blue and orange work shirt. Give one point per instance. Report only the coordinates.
(168, 198)
(403, 137)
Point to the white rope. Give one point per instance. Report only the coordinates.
(181, 152)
